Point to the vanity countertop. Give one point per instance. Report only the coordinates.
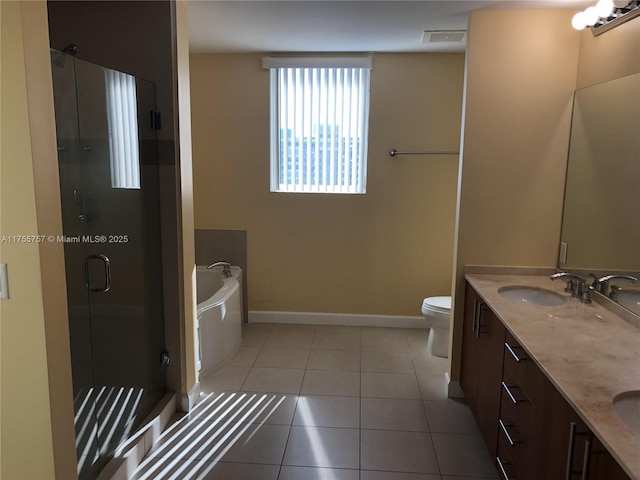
(589, 354)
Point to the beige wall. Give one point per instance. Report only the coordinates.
(186, 197)
(379, 253)
(521, 75)
(613, 54)
(49, 214)
(36, 398)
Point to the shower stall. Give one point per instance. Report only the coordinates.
(106, 124)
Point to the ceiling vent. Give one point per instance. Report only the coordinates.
(453, 36)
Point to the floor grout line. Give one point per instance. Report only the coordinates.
(374, 339)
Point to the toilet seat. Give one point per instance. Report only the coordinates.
(437, 304)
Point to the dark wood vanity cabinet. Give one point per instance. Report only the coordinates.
(536, 434)
(522, 413)
(572, 451)
(481, 374)
(540, 433)
(602, 466)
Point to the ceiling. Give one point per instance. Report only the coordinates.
(337, 26)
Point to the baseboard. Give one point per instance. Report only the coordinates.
(454, 390)
(347, 319)
(187, 401)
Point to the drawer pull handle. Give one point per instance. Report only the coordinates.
(572, 439)
(511, 396)
(475, 315)
(585, 461)
(511, 441)
(502, 470)
(513, 354)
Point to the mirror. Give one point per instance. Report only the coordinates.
(601, 219)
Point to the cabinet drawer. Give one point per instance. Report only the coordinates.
(504, 463)
(525, 372)
(516, 405)
(522, 454)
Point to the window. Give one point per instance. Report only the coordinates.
(319, 124)
(122, 118)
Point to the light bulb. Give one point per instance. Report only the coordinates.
(591, 16)
(604, 8)
(578, 21)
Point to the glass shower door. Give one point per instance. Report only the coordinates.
(111, 224)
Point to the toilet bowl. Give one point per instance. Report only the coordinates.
(437, 312)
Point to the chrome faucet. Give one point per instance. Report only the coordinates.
(603, 282)
(226, 268)
(575, 284)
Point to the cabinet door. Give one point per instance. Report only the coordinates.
(602, 466)
(490, 338)
(568, 440)
(482, 352)
(470, 371)
(572, 443)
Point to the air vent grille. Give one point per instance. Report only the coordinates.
(454, 36)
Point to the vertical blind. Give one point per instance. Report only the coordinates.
(320, 121)
(122, 118)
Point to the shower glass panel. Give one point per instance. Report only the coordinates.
(108, 165)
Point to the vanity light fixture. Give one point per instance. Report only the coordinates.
(605, 15)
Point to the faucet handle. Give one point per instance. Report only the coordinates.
(585, 296)
(580, 287)
(575, 283)
(226, 271)
(570, 287)
(613, 292)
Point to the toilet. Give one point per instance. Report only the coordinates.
(437, 312)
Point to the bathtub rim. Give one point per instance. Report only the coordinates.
(229, 286)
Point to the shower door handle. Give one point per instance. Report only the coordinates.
(107, 273)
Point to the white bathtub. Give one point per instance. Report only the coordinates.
(219, 316)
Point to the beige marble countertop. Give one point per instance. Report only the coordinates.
(589, 353)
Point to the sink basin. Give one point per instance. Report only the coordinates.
(532, 295)
(629, 299)
(627, 407)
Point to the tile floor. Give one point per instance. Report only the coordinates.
(302, 402)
